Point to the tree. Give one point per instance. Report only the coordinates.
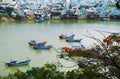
(117, 4)
(9, 10)
(1, 8)
(109, 60)
(106, 54)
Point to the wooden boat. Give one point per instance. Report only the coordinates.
(43, 47)
(104, 18)
(73, 40)
(41, 20)
(34, 43)
(18, 63)
(68, 16)
(63, 36)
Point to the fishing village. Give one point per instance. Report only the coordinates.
(61, 9)
(59, 39)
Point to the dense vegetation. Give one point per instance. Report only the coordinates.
(7, 10)
(5, 13)
(50, 71)
(117, 4)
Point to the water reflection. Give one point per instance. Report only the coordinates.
(14, 68)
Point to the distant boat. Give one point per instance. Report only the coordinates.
(41, 20)
(104, 18)
(73, 40)
(63, 36)
(34, 43)
(43, 47)
(18, 63)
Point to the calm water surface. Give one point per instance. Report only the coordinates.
(14, 38)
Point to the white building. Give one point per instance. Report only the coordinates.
(7, 1)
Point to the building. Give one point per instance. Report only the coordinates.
(7, 1)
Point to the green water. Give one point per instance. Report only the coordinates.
(14, 38)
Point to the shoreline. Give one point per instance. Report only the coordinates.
(5, 19)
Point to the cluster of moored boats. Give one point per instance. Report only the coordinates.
(74, 50)
(41, 46)
(69, 38)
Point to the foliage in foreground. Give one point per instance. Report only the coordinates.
(105, 53)
(51, 71)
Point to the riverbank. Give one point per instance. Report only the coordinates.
(7, 18)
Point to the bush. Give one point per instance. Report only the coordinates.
(19, 17)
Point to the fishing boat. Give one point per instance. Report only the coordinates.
(63, 36)
(41, 20)
(43, 47)
(18, 63)
(104, 18)
(73, 40)
(34, 43)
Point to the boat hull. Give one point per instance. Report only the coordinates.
(33, 43)
(66, 16)
(45, 20)
(15, 63)
(43, 47)
(73, 40)
(65, 37)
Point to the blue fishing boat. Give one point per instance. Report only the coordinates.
(63, 36)
(41, 20)
(18, 63)
(73, 40)
(34, 43)
(43, 47)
